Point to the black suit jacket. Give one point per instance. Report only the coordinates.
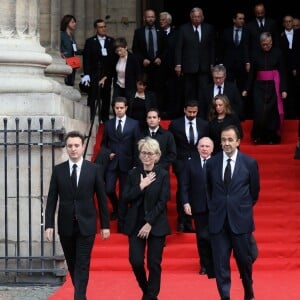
(167, 146)
(193, 189)
(236, 203)
(193, 56)
(230, 53)
(153, 198)
(94, 63)
(296, 51)
(124, 146)
(80, 202)
(184, 150)
(139, 45)
(233, 94)
(254, 34)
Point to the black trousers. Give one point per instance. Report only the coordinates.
(118, 205)
(203, 243)
(103, 97)
(77, 250)
(137, 247)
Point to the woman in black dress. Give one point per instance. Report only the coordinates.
(140, 101)
(221, 116)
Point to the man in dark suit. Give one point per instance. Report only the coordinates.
(186, 131)
(221, 86)
(173, 89)
(195, 55)
(74, 183)
(233, 189)
(164, 137)
(120, 137)
(289, 42)
(261, 23)
(194, 200)
(234, 53)
(99, 59)
(149, 47)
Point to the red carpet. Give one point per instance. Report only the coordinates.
(276, 271)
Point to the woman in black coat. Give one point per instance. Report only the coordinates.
(146, 192)
(141, 101)
(220, 116)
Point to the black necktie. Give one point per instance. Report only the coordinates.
(220, 90)
(261, 25)
(119, 127)
(227, 173)
(197, 34)
(151, 44)
(236, 37)
(152, 133)
(74, 176)
(191, 133)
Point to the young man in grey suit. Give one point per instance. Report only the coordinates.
(233, 189)
(74, 182)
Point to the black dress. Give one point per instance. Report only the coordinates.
(138, 107)
(217, 125)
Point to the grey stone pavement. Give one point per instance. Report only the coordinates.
(26, 292)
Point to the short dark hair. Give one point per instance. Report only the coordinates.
(191, 103)
(153, 109)
(65, 21)
(98, 21)
(234, 128)
(142, 77)
(73, 134)
(119, 99)
(120, 42)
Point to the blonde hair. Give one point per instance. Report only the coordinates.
(150, 144)
(227, 107)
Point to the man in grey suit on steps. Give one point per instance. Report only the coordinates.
(74, 182)
(233, 188)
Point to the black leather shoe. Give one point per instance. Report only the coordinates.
(180, 227)
(202, 271)
(189, 229)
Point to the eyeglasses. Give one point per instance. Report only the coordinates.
(144, 153)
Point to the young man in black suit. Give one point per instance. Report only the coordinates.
(164, 137)
(187, 131)
(74, 183)
(234, 51)
(120, 137)
(233, 188)
(99, 59)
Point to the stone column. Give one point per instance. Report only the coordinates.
(22, 59)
